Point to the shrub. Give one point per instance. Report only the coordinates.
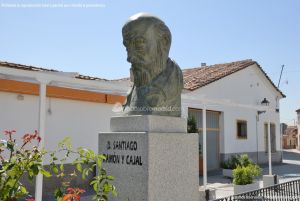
(243, 175)
(244, 160)
(192, 125)
(237, 160)
(230, 163)
(86, 161)
(192, 128)
(18, 160)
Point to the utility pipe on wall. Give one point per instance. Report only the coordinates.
(204, 146)
(269, 147)
(42, 122)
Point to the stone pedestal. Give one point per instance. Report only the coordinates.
(208, 194)
(148, 123)
(270, 180)
(152, 159)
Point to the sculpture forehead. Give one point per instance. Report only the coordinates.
(141, 22)
(138, 27)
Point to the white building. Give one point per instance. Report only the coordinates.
(236, 121)
(80, 106)
(77, 106)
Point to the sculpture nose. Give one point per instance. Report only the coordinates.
(128, 53)
(130, 56)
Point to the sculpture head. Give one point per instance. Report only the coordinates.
(147, 40)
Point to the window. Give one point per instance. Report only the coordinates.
(273, 138)
(212, 119)
(241, 129)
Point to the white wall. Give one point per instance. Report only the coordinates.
(84, 120)
(247, 88)
(80, 120)
(21, 115)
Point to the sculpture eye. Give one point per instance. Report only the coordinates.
(139, 41)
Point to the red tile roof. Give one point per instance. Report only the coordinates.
(34, 68)
(195, 78)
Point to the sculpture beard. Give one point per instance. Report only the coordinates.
(144, 74)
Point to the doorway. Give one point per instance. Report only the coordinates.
(213, 135)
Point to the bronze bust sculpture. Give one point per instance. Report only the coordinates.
(157, 79)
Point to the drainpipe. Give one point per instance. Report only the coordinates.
(42, 122)
(204, 146)
(257, 119)
(281, 132)
(269, 147)
(298, 130)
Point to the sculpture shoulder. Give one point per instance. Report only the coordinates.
(174, 69)
(172, 64)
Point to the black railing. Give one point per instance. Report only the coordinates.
(285, 191)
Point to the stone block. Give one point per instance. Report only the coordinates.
(148, 123)
(238, 189)
(227, 173)
(152, 166)
(270, 180)
(211, 194)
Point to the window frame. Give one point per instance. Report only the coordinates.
(241, 137)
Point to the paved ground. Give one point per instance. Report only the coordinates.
(288, 170)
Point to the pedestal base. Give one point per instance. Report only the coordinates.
(148, 123)
(208, 194)
(270, 180)
(151, 166)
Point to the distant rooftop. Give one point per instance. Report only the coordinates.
(291, 130)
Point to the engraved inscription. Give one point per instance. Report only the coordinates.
(127, 159)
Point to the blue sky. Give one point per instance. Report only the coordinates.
(89, 40)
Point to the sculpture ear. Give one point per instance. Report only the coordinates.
(166, 41)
